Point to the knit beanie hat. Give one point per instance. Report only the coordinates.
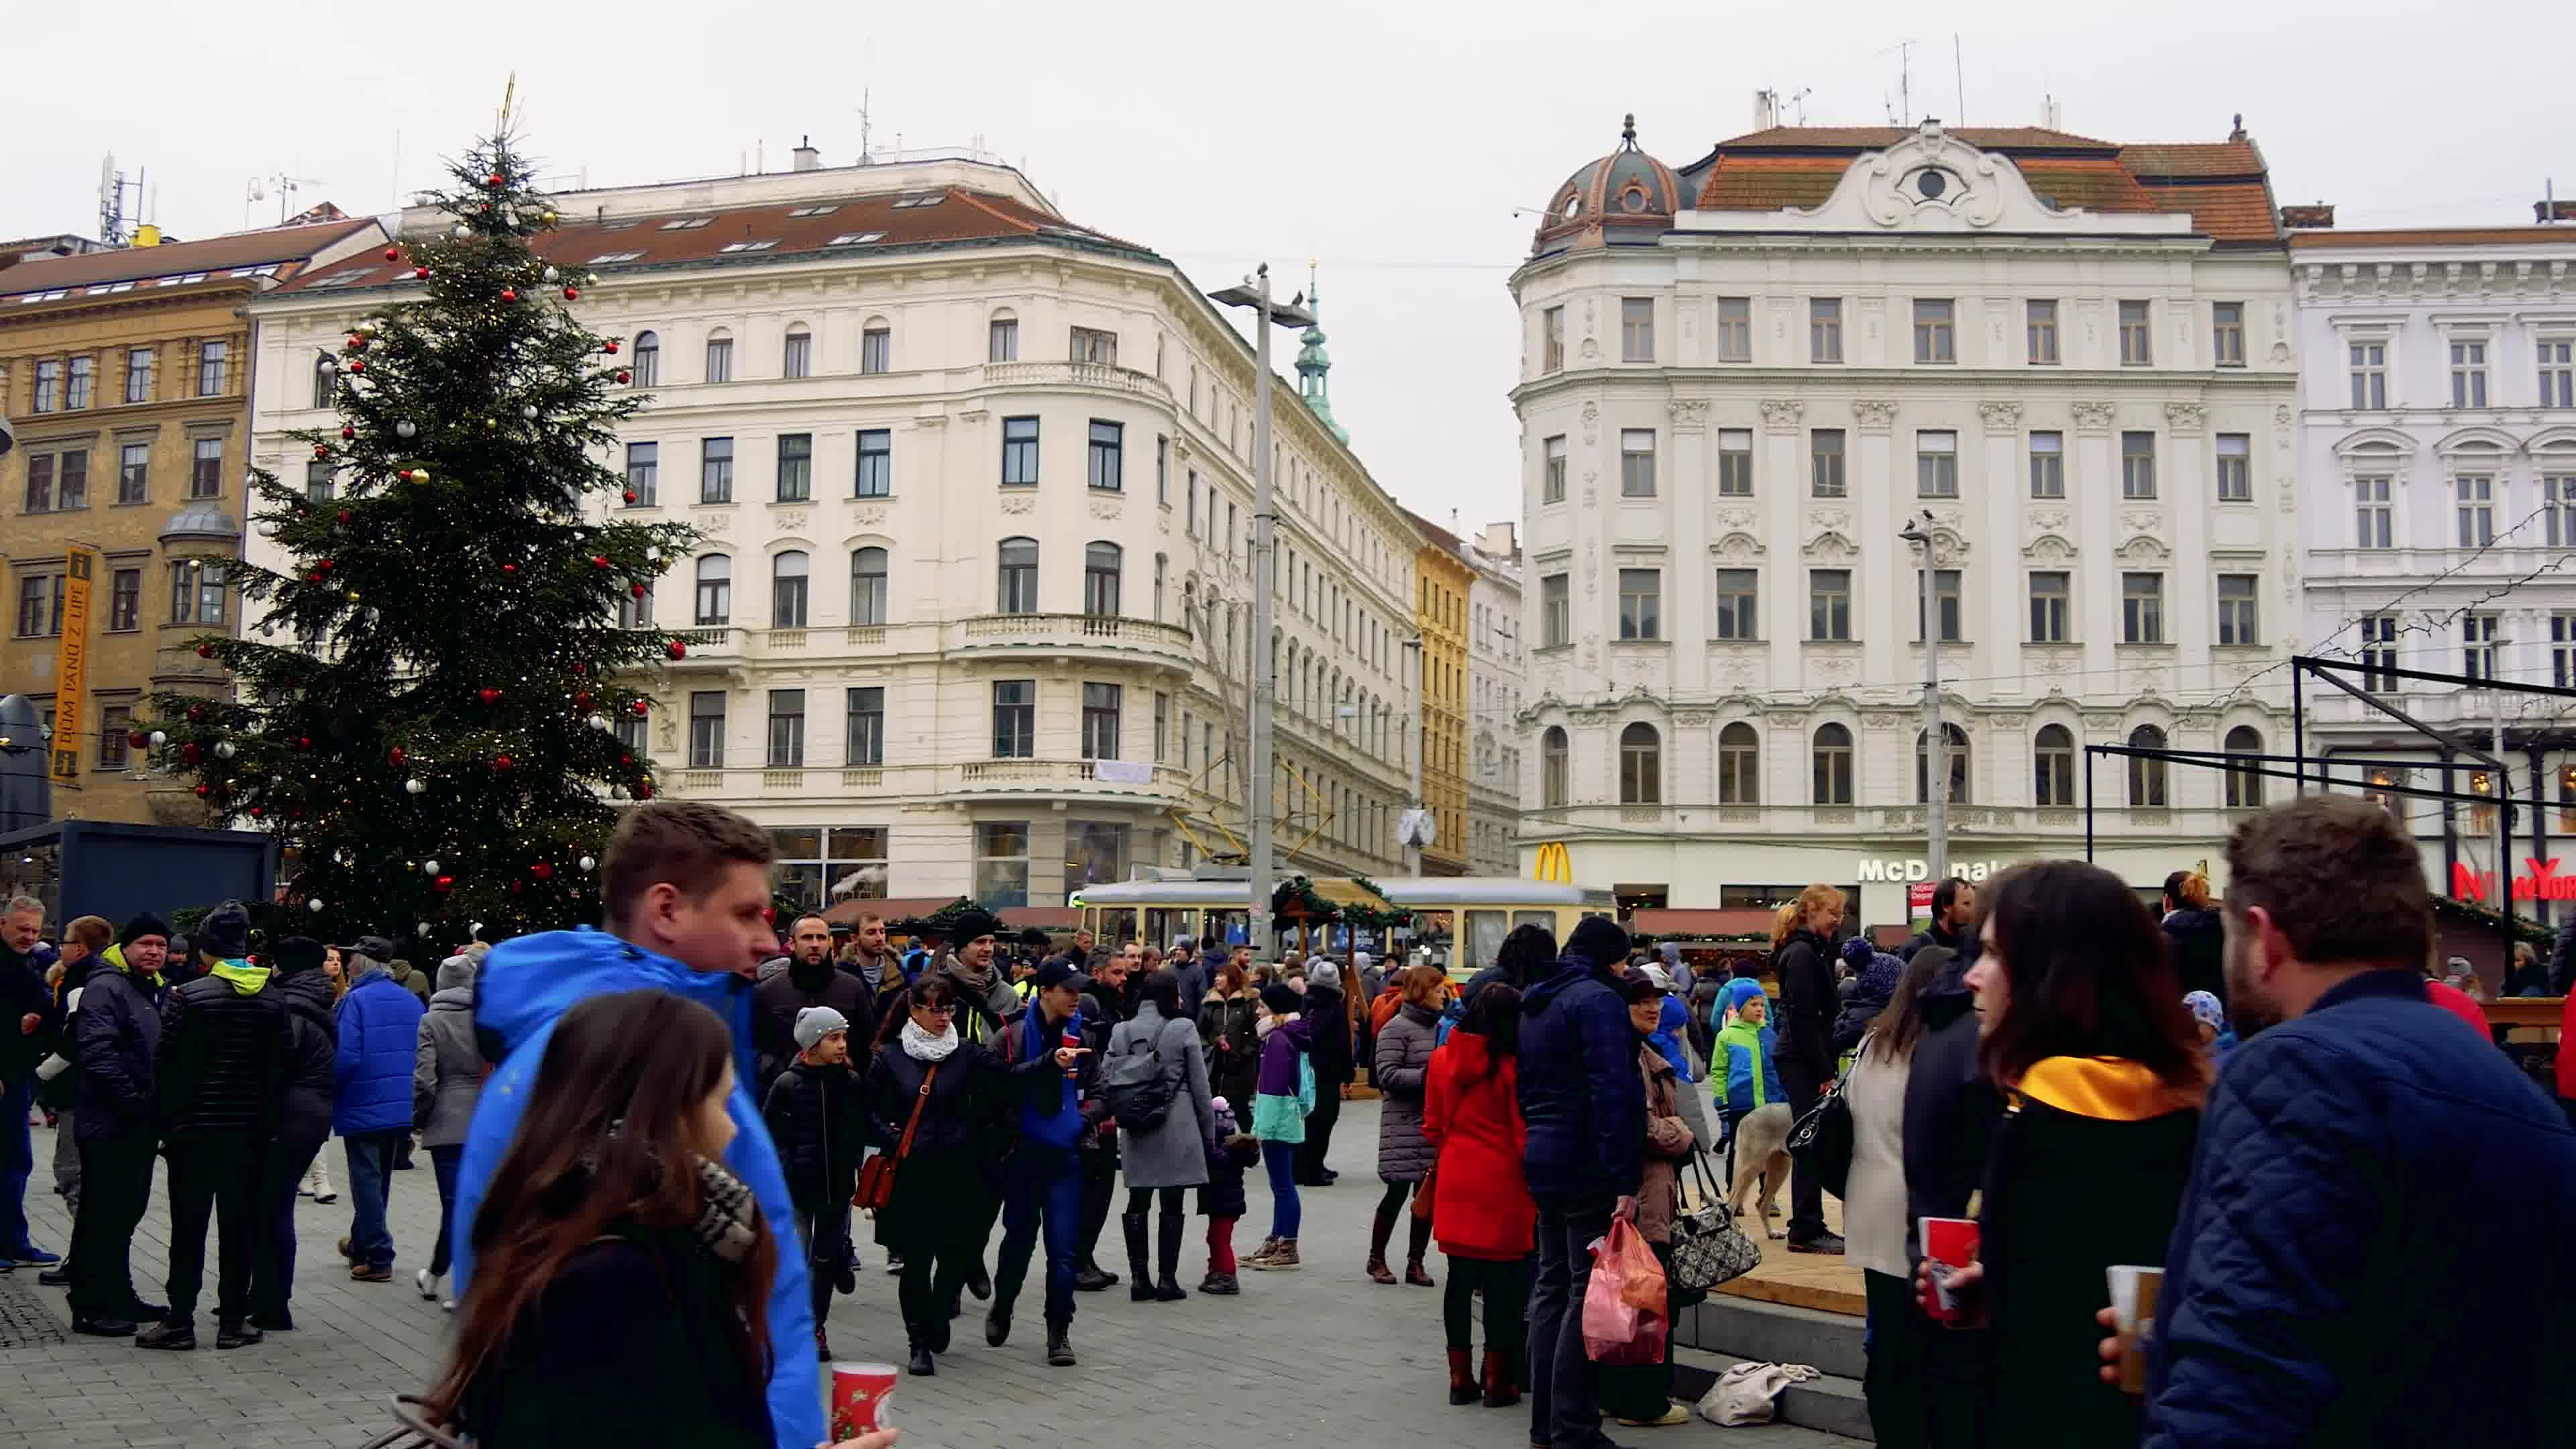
(1282, 999)
(1599, 940)
(141, 926)
(815, 1023)
(225, 933)
(1856, 951)
(2206, 1010)
(297, 953)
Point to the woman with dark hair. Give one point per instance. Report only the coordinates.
(1225, 1031)
(1481, 1213)
(927, 1083)
(2081, 1024)
(1802, 951)
(624, 1277)
(1404, 1154)
(1874, 1206)
(1172, 1154)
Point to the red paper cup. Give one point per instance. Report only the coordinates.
(859, 1393)
(1948, 1243)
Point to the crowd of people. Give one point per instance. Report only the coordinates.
(2265, 1097)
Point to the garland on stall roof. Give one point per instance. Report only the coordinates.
(2524, 928)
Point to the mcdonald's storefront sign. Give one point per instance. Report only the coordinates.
(1553, 863)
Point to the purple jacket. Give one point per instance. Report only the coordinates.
(1279, 1053)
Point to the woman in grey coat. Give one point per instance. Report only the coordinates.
(1173, 1154)
(1404, 1155)
(446, 1078)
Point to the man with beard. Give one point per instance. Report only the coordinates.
(811, 979)
(1104, 1005)
(1954, 919)
(2354, 1131)
(873, 962)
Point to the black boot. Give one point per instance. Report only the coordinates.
(1059, 1345)
(1167, 1257)
(922, 1365)
(1140, 1280)
(1092, 1278)
(997, 1324)
(175, 1333)
(234, 1333)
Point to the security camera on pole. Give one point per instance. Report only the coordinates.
(1936, 743)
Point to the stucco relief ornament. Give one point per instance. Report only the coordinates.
(1691, 719)
(2281, 419)
(1741, 672)
(2000, 417)
(2101, 721)
(792, 521)
(1687, 412)
(1591, 350)
(2047, 520)
(1837, 671)
(1018, 503)
(869, 517)
(2288, 491)
(1735, 518)
(1782, 412)
(1877, 415)
(1827, 520)
(713, 522)
(2142, 520)
(1591, 422)
(1591, 652)
(2052, 663)
(2185, 417)
(2095, 417)
(1591, 489)
(1104, 508)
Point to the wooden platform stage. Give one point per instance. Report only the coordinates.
(1825, 1282)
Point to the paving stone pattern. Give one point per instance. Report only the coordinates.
(1317, 1357)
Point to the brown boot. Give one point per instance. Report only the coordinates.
(1500, 1391)
(1462, 1389)
(1379, 1232)
(1417, 1243)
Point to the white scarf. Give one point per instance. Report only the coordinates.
(921, 1046)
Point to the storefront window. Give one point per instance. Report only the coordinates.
(1001, 863)
(1094, 851)
(814, 860)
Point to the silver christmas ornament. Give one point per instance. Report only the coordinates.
(463, 232)
(404, 428)
(429, 867)
(528, 411)
(159, 739)
(587, 864)
(550, 274)
(599, 722)
(223, 749)
(314, 905)
(415, 785)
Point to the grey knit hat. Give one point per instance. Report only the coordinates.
(815, 1023)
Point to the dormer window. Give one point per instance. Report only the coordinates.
(1571, 207)
(1931, 184)
(1633, 199)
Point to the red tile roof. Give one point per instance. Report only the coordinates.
(2214, 158)
(285, 246)
(2436, 236)
(1879, 138)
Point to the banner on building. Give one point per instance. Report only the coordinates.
(71, 664)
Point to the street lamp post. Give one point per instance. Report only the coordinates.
(1413, 716)
(1936, 744)
(1255, 293)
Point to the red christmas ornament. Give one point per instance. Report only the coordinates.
(609, 347)
(579, 668)
(196, 711)
(644, 790)
(516, 887)
(640, 707)
(394, 755)
(256, 812)
(679, 650)
(542, 871)
(305, 742)
(420, 274)
(357, 364)
(191, 753)
(572, 294)
(444, 883)
(636, 589)
(622, 377)
(322, 564)
(509, 568)
(509, 294)
(393, 254)
(201, 792)
(488, 695)
(500, 762)
(321, 452)
(344, 516)
(630, 497)
(626, 759)
(581, 699)
(599, 560)
(357, 343)
(495, 179)
(347, 434)
(137, 738)
(205, 651)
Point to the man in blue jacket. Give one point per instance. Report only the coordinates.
(377, 1025)
(1585, 1105)
(2356, 1140)
(1042, 1179)
(684, 885)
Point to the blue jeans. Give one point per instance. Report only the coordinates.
(1565, 1408)
(371, 1172)
(17, 1160)
(443, 1162)
(1040, 1186)
(1279, 1159)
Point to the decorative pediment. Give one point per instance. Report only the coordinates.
(2048, 548)
(1738, 547)
(2144, 549)
(1830, 547)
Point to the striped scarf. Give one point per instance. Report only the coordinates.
(728, 1220)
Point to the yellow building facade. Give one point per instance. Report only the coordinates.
(1441, 580)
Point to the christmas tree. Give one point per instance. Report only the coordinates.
(435, 742)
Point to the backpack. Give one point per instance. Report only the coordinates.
(1138, 1089)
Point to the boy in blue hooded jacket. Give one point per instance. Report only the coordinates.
(684, 888)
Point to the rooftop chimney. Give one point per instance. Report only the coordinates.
(2052, 114)
(2319, 217)
(807, 158)
(1766, 110)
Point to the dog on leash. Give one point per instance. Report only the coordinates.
(1762, 1154)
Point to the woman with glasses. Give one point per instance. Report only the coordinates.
(927, 1083)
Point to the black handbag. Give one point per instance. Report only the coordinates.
(1821, 1141)
(1709, 1247)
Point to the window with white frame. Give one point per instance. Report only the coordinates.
(1945, 603)
(797, 357)
(1739, 765)
(2468, 372)
(2557, 373)
(2558, 500)
(2048, 465)
(2040, 321)
(1092, 344)
(1735, 329)
(1738, 593)
(1735, 462)
(1935, 331)
(720, 359)
(876, 463)
(1641, 603)
(2235, 468)
(2238, 622)
(1636, 462)
(787, 593)
(1555, 611)
(2142, 608)
(2369, 362)
(706, 729)
(2476, 507)
(786, 730)
(1551, 486)
(2562, 650)
(2478, 635)
(1936, 463)
(715, 470)
(876, 349)
(1824, 329)
(1829, 604)
(2373, 517)
(1825, 456)
(2377, 636)
(2052, 757)
(1002, 340)
(2049, 594)
(2137, 348)
(870, 599)
(1833, 764)
(2137, 465)
(1552, 340)
(2227, 333)
(1636, 329)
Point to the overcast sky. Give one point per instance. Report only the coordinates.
(1391, 141)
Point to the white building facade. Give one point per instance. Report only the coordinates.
(1495, 665)
(1739, 381)
(971, 611)
(2438, 445)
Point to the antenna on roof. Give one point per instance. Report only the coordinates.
(1958, 78)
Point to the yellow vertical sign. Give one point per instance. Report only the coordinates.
(71, 663)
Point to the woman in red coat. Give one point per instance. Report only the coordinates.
(1482, 1214)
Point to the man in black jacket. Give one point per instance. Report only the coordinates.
(1950, 1115)
(118, 1033)
(1806, 1056)
(302, 989)
(1104, 1005)
(811, 979)
(1954, 918)
(1328, 1017)
(222, 1084)
(25, 1009)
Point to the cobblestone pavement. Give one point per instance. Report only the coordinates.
(1320, 1357)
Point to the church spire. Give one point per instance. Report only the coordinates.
(1313, 362)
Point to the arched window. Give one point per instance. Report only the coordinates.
(1017, 590)
(1641, 765)
(720, 356)
(1739, 765)
(2147, 775)
(2244, 785)
(326, 381)
(797, 358)
(1833, 765)
(1100, 563)
(787, 590)
(646, 365)
(868, 586)
(2052, 763)
(1002, 337)
(715, 589)
(1956, 739)
(1552, 767)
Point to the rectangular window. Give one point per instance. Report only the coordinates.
(1015, 718)
(1636, 329)
(40, 605)
(868, 587)
(1936, 464)
(1552, 340)
(319, 481)
(2558, 500)
(1162, 470)
(706, 729)
(2137, 345)
(715, 590)
(1825, 463)
(2235, 468)
(72, 491)
(2478, 634)
(1829, 604)
(1551, 485)
(2227, 333)
(40, 483)
(719, 359)
(1737, 593)
(1641, 603)
(876, 463)
(2039, 320)
(2372, 514)
(2142, 608)
(2476, 508)
(2137, 465)
(84, 379)
(2048, 603)
(876, 350)
(138, 375)
(1555, 611)
(2238, 621)
(864, 729)
(1934, 331)
(1019, 452)
(795, 467)
(786, 729)
(715, 470)
(1106, 471)
(48, 395)
(1162, 726)
(196, 592)
(647, 370)
(634, 610)
(1090, 344)
(787, 591)
(206, 470)
(2562, 650)
(799, 356)
(2469, 374)
(1002, 340)
(644, 474)
(1735, 462)
(1100, 712)
(2378, 653)
(2369, 375)
(1002, 863)
(1735, 329)
(1945, 603)
(114, 723)
(210, 368)
(1824, 329)
(2048, 465)
(2558, 374)
(125, 601)
(1636, 462)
